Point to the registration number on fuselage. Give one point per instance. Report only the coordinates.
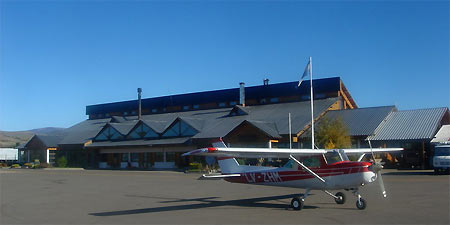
(262, 177)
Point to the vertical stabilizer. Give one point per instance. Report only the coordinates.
(226, 164)
(229, 165)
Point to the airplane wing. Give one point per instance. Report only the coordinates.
(254, 152)
(368, 150)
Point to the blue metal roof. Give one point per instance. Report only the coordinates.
(226, 95)
(418, 124)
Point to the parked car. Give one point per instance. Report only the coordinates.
(441, 159)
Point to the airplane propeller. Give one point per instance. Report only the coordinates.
(376, 168)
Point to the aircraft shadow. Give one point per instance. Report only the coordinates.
(207, 202)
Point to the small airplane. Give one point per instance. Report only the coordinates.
(310, 169)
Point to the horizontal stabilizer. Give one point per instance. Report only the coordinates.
(217, 177)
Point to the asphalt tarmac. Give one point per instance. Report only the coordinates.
(149, 197)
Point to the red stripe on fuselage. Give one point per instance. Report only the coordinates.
(277, 175)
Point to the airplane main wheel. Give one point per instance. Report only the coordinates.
(340, 198)
(361, 204)
(297, 203)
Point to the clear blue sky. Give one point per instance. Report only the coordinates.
(59, 56)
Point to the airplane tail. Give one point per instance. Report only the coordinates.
(228, 165)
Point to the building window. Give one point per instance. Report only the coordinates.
(306, 97)
(154, 110)
(196, 106)
(109, 134)
(125, 113)
(134, 157)
(262, 101)
(274, 100)
(133, 113)
(180, 128)
(321, 95)
(143, 131)
(222, 104)
(233, 103)
(124, 157)
(107, 115)
(186, 107)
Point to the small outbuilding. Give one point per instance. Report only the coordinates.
(40, 147)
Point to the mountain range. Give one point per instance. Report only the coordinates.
(11, 139)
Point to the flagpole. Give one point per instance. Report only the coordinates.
(312, 104)
(290, 132)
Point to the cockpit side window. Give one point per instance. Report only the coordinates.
(309, 161)
(332, 157)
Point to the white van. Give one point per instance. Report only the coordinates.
(441, 159)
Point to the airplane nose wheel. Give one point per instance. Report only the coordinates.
(361, 204)
(297, 203)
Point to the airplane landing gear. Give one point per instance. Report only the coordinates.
(298, 203)
(338, 197)
(360, 203)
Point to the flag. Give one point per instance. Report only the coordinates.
(305, 73)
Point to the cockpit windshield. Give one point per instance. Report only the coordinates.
(336, 156)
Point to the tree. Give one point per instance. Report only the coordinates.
(332, 134)
(61, 162)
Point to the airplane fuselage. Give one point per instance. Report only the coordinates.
(340, 175)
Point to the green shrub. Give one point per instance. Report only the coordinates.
(42, 165)
(61, 162)
(29, 165)
(195, 167)
(15, 166)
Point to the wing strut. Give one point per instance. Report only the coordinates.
(307, 169)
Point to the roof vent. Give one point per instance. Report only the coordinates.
(266, 82)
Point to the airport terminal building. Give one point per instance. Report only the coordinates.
(152, 133)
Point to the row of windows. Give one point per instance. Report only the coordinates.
(179, 129)
(196, 106)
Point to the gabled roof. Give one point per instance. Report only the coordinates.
(418, 124)
(123, 128)
(443, 135)
(157, 126)
(271, 119)
(83, 132)
(49, 141)
(238, 110)
(269, 128)
(361, 121)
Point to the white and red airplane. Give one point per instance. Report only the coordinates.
(310, 169)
